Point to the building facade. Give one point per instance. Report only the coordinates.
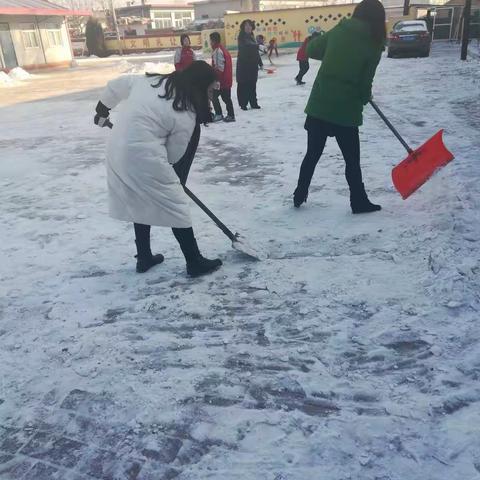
(159, 16)
(33, 34)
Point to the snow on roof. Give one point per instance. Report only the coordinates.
(37, 7)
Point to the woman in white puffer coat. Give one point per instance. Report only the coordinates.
(155, 138)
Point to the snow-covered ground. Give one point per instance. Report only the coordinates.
(353, 352)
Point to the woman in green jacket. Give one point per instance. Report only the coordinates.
(350, 53)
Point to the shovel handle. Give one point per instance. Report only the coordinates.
(390, 126)
(217, 221)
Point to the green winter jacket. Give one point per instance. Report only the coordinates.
(344, 82)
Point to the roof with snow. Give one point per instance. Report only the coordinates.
(37, 7)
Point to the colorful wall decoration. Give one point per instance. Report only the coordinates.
(288, 26)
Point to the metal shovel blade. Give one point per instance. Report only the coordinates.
(241, 244)
(410, 174)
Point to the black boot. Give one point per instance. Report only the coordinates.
(300, 196)
(360, 203)
(145, 259)
(197, 265)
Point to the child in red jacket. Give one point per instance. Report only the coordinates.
(222, 64)
(184, 55)
(302, 58)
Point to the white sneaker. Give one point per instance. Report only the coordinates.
(217, 118)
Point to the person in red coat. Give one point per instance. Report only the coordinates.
(222, 64)
(184, 55)
(302, 58)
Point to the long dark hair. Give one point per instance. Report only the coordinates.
(183, 36)
(189, 88)
(373, 13)
(242, 25)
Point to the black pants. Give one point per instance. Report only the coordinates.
(271, 50)
(247, 93)
(182, 167)
(349, 142)
(304, 67)
(226, 95)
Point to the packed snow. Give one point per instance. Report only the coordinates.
(18, 73)
(14, 77)
(5, 79)
(351, 352)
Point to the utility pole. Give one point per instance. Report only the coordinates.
(406, 7)
(114, 17)
(466, 28)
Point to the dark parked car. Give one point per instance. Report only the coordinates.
(410, 37)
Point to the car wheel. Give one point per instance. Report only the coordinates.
(390, 53)
(425, 53)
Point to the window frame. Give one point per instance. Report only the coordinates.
(29, 32)
(54, 30)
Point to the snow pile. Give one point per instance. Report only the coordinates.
(5, 79)
(19, 74)
(160, 67)
(146, 67)
(126, 67)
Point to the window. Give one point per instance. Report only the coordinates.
(410, 27)
(54, 35)
(162, 19)
(29, 35)
(182, 19)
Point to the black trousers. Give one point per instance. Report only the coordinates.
(271, 50)
(349, 142)
(304, 67)
(247, 93)
(182, 167)
(226, 95)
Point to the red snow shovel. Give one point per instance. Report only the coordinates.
(410, 174)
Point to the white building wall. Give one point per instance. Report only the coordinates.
(26, 55)
(55, 54)
(36, 50)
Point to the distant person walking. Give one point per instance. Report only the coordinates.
(302, 58)
(248, 61)
(350, 53)
(222, 64)
(184, 55)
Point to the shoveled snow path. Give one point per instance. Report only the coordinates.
(351, 353)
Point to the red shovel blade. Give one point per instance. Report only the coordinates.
(420, 165)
